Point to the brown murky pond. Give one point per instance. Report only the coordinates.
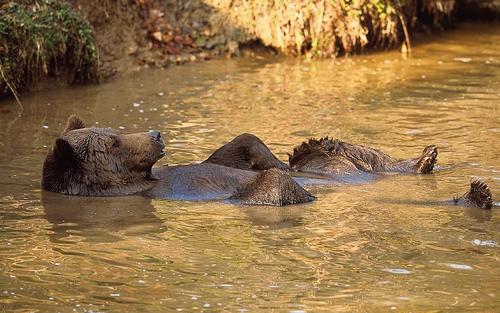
(366, 247)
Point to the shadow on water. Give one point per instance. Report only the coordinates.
(276, 217)
(479, 215)
(99, 219)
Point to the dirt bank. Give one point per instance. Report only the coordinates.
(88, 40)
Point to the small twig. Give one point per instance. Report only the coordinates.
(407, 36)
(11, 89)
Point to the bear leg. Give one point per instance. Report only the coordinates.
(272, 187)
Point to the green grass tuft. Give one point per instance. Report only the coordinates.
(44, 38)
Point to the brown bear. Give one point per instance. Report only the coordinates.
(335, 159)
(104, 162)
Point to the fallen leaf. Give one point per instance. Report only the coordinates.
(158, 36)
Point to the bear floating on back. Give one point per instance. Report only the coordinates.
(104, 162)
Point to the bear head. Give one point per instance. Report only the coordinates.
(101, 161)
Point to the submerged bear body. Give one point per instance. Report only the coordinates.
(215, 182)
(198, 182)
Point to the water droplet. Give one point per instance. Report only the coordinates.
(464, 60)
(401, 271)
(459, 266)
(484, 243)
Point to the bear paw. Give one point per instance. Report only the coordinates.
(479, 195)
(426, 162)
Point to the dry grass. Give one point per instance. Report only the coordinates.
(327, 28)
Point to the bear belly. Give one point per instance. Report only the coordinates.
(198, 182)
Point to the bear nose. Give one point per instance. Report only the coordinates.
(155, 135)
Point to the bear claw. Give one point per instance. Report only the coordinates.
(479, 195)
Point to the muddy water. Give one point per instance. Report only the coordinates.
(367, 247)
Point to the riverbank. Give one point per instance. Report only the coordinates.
(86, 41)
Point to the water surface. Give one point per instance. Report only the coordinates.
(365, 247)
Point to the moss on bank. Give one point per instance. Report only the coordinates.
(44, 38)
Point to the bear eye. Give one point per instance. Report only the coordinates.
(116, 142)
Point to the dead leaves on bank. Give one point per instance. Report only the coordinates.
(162, 34)
(319, 28)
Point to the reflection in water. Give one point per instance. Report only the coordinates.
(97, 219)
(276, 217)
(356, 248)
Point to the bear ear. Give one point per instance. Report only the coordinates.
(64, 155)
(74, 122)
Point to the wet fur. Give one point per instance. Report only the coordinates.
(99, 162)
(332, 156)
(479, 195)
(258, 192)
(246, 152)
